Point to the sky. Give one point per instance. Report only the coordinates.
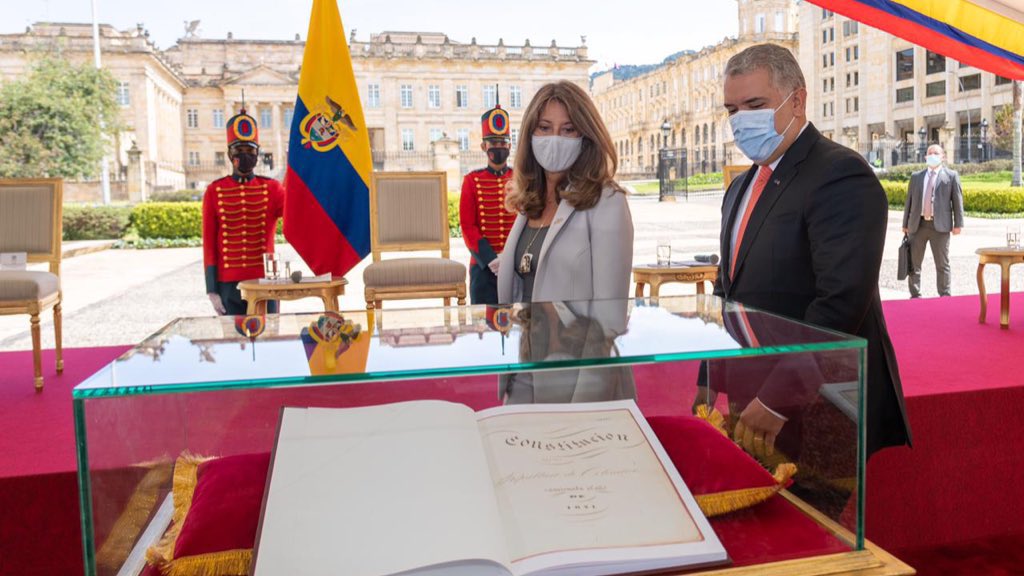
(633, 32)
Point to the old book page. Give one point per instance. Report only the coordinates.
(379, 490)
(583, 484)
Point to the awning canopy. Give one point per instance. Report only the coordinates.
(986, 34)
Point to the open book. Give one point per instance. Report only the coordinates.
(432, 488)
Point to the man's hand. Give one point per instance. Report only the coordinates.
(218, 304)
(757, 429)
(906, 230)
(956, 231)
(493, 265)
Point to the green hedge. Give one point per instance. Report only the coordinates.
(454, 229)
(168, 219)
(988, 201)
(177, 196)
(95, 222)
(902, 172)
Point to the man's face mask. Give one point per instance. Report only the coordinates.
(754, 131)
(497, 155)
(244, 160)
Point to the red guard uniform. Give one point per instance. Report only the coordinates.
(240, 214)
(483, 217)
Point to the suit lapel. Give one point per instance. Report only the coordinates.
(783, 174)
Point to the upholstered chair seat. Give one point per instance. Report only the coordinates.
(28, 285)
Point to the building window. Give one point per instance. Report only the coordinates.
(852, 53)
(934, 63)
(490, 96)
(779, 22)
(852, 105)
(218, 158)
(373, 96)
(905, 64)
(433, 96)
(933, 89)
(463, 139)
(405, 92)
(193, 158)
(408, 143)
(435, 134)
(850, 28)
(760, 24)
(218, 117)
(462, 96)
(826, 14)
(266, 118)
(289, 115)
(1000, 80)
(904, 94)
(192, 118)
(514, 135)
(852, 79)
(515, 97)
(972, 82)
(124, 95)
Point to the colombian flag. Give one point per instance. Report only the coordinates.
(986, 34)
(327, 205)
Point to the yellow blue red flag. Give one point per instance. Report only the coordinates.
(327, 204)
(987, 34)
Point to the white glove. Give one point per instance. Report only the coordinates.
(493, 265)
(218, 305)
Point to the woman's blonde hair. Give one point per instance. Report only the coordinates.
(589, 175)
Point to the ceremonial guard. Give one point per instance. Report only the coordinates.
(483, 217)
(240, 214)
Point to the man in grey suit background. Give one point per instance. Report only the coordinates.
(934, 208)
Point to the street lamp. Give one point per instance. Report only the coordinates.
(984, 140)
(663, 156)
(921, 143)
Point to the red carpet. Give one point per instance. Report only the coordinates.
(951, 501)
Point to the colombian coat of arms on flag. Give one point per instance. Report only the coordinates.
(327, 205)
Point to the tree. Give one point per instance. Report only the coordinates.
(55, 120)
(1001, 134)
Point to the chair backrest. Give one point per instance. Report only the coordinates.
(30, 219)
(408, 211)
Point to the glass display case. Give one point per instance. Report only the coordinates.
(215, 387)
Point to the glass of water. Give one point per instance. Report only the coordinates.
(271, 266)
(1013, 236)
(664, 252)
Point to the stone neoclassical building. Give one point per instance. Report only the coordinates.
(417, 88)
(678, 105)
(887, 98)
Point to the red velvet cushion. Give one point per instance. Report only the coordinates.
(708, 461)
(225, 505)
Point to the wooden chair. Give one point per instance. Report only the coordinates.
(30, 221)
(409, 212)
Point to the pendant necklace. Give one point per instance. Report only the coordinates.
(526, 262)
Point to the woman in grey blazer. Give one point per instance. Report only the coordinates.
(572, 241)
(573, 238)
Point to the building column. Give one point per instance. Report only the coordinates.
(275, 117)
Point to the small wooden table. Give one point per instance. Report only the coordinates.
(1005, 257)
(257, 294)
(657, 275)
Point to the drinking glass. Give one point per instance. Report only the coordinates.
(664, 252)
(271, 266)
(1013, 236)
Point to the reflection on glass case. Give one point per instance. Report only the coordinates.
(204, 396)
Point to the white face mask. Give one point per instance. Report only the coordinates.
(933, 160)
(556, 153)
(754, 132)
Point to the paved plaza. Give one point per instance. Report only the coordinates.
(115, 297)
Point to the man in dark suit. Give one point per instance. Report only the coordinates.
(934, 208)
(803, 232)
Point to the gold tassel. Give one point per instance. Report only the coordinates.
(225, 563)
(713, 417)
(185, 479)
(733, 500)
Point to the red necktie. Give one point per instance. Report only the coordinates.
(764, 173)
